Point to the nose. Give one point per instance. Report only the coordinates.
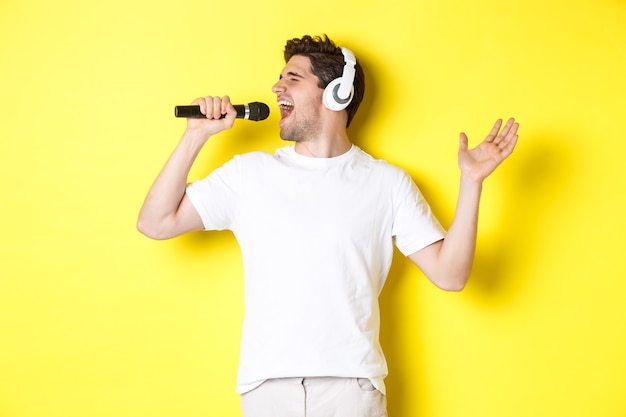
(279, 87)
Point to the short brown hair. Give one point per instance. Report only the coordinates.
(327, 63)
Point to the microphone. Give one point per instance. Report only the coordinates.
(252, 111)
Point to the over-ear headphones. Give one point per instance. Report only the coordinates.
(339, 92)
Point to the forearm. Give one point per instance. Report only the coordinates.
(166, 193)
(448, 262)
(457, 250)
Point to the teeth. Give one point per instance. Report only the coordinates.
(284, 103)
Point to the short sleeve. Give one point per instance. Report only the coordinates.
(414, 226)
(215, 197)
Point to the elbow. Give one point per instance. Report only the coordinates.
(453, 287)
(150, 231)
(452, 283)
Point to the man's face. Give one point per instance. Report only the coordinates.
(299, 100)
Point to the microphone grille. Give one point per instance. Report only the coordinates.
(258, 111)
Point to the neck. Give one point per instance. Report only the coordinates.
(330, 141)
(324, 148)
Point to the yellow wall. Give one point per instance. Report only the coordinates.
(97, 320)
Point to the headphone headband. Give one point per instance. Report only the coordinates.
(349, 71)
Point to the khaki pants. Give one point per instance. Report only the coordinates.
(314, 397)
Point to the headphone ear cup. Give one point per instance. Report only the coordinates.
(331, 97)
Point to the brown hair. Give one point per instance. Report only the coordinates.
(327, 64)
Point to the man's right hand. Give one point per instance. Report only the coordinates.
(213, 108)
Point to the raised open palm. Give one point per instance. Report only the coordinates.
(482, 160)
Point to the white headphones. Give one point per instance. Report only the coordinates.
(339, 92)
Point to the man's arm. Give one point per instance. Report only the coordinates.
(448, 262)
(167, 211)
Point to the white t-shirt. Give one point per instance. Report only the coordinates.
(316, 237)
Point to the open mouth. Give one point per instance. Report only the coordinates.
(286, 107)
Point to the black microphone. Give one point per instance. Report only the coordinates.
(252, 111)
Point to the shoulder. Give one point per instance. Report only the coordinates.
(261, 156)
(250, 160)
(381, 166)
(253, 164)
(253, 156)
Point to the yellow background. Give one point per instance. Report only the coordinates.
(97, 320)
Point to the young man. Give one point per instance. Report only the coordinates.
(316, 223)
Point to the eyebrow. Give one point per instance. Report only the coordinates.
(292, 74)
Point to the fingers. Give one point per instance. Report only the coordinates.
(508, 144)
(214, 107)
(507, 138)
(494, 131)
(493, 135)
(509, 127)
(504, 137)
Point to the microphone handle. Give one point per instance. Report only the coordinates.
(193, 112)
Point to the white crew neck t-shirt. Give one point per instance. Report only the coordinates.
(316, 237)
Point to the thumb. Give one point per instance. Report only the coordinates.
(463, 142)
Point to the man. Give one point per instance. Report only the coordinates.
(316, 223)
